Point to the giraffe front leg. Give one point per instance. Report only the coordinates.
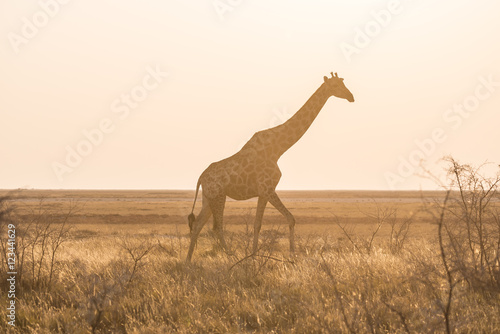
(261, 206)
(198, 224)
(276, 202)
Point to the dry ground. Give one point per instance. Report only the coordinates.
(121, 268)
(106, 211)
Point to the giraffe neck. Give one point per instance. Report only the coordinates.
(288, 133)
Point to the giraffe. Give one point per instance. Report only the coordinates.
(253, 171)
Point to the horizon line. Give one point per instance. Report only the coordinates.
(184, 189)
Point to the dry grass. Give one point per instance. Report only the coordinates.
(131, 278)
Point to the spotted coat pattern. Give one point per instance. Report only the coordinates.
(254, 172)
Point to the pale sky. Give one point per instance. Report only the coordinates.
(425, 75)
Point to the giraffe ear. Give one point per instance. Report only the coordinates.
(325, 78)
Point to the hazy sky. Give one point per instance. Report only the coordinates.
(146, 94)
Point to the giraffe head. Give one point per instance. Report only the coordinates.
(336, 87)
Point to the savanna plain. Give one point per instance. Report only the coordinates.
(365, 262)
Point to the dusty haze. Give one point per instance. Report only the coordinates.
(238, 68)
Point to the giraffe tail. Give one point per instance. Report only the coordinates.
(192, 217)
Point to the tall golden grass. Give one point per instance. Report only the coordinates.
(140, 284)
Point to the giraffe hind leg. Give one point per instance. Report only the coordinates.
(217, 206)
(196, 225)
(261, 206)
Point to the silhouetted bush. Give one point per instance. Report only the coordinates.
(471, 226)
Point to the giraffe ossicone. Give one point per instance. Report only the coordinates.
(253, 171)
